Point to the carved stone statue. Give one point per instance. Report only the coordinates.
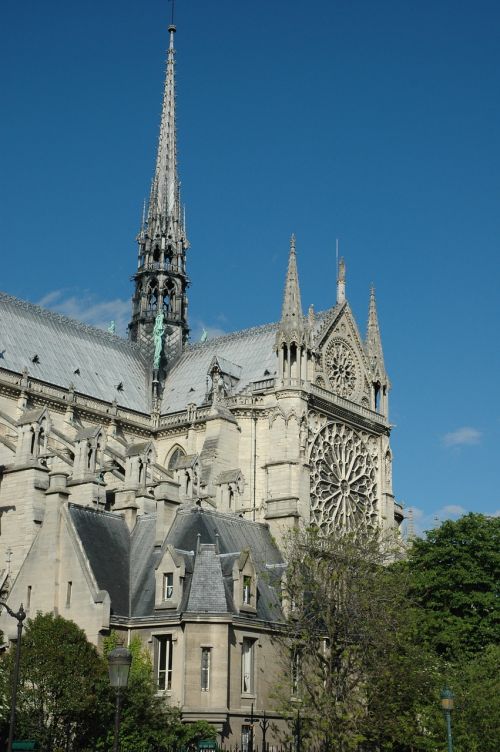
(158, 333)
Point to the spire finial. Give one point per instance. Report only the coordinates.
(292, 243)
(172, 16)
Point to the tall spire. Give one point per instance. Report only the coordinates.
(292, 326)
(161, 281)
(374, 340)
(291, 311)
(164, 209)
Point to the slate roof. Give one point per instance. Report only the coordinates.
(64, 346)
(106, 541)
(234, 535)
(124, 564)
(207, 593)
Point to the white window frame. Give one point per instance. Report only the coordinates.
(164, 661)
(168, 586)
(247, 590)
(247, 666)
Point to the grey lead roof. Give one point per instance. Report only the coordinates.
(251, 349)
(108, 367)
(248, 355)
(65, 346)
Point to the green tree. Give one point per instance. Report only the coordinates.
(455, 583)
(351, 666)
(60, 678)
(147, 722)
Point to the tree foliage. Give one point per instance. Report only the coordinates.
(61, 675)
(147, 722)
(65, 701)
(455, 583)
(350, 661)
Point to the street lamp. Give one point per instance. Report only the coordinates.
(20, 616)
(119, 661)
(447, 704)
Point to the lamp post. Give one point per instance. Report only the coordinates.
(264, 724)
(119, 661)
(20, 616)
(447, 698)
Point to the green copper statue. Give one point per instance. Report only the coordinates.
(158, 333)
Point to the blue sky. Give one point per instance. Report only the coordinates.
(374, 122)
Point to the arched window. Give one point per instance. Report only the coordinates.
(176, 454)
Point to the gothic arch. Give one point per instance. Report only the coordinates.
(173, 455)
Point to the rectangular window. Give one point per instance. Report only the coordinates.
(247, 660)
(28, 597)
(245, 738)
(69, 588)
(205, 669)
(164, 662)
(295, 672)
(247, 589)
(168, 586)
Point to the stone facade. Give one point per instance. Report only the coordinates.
(146, 484)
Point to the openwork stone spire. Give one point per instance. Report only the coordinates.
(164, 209)
(161, 281)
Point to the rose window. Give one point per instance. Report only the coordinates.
(343, 480)
(341, 368)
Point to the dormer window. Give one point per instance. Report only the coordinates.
(247, 590)
(168, 586)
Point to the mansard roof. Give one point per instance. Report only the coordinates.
(124, 563)
(59, 350)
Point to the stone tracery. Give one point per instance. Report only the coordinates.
(343, 480)
(340, 366)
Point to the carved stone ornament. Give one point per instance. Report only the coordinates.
(343, 480)
(340, 367)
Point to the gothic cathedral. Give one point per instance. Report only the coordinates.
(146, 483)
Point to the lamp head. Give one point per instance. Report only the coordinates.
(447, 700)
(119, 661)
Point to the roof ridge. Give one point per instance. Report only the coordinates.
(62, 318)
(224, 515)
(100, 512)
(231, 336)
(208, 343)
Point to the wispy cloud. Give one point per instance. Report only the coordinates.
(462, 436)
(86, 307)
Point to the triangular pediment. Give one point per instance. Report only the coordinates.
(343, 365)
